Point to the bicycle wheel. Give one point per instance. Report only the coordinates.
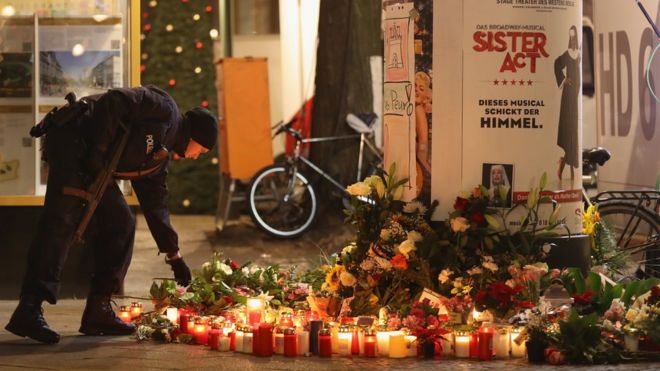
(281, 206)
(636, 231)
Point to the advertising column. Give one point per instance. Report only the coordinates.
(521, 104)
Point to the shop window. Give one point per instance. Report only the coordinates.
(256, 17)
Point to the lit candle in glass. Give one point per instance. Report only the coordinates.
(172, 314)
(325, 343)
(136, 309)
(279, 340)
(214, 337)
(334, 333)
(517, 350)
(303, 342)
(225, 342)
(238, 339)
(345, 339)
(191, 326)
(125, 314)
(286, 320)
(474, 344)
(411, 344)
(263, 344)
(370, 343)
(383, 343)
(397, 344)
(462, 344)
(290, 342)
(446, 344)
(501, 342)
(248, 343)
(355, 341)
(255, 307)
(201, 333)
(486, 333)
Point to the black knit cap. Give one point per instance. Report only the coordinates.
(203, 126)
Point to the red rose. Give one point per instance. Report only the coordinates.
(376, 277)
(228, 299)
(233, 265)
(460, 204)
(477, 217)
(399, 262)
(584, 298)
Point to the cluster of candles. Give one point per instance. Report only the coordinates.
(303, 333)
(127, 313)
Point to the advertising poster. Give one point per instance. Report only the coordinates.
(628, 113)
(521, 104)
(398, 94)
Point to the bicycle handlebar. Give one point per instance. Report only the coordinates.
(282, 127)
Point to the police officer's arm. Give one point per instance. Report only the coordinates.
(152, 194)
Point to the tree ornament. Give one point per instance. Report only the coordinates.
(208, 9)
(205, 103)
(143, 68)
(146, 27)
(144, 56)
(178, 49)
(196, 17)
(142, 37)
(186, 203)
(169, 28)
(185, 1)
(172, 82)
(145, 15)
(199, 45)
(213, 33)
(198, 70)
(214, 160)
(153, 3)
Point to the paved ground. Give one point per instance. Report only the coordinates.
(241, 242)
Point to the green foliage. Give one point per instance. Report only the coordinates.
(582, 343)
(195, 181)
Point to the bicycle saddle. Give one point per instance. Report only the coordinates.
(362, 123)
(598, 155)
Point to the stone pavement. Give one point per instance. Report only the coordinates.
(240, 241)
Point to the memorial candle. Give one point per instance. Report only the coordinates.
(462, 344)
(355, 341)
(334, 332)
(279, 340)
(315, 326)
(201, 333)
(501, 342)
(446, 345)
(255, 307)
(397, 345)
(191, 326)
(370, 343)
(345, 340)
(517, 350)
(383, 343)
(172, 314)
(411, 345)
(136, 309)
(303, 342)
(474, 344)
(225, 342)
(485, 352)
(264, 342)
(229, 332)
(125, 314)
(238, 339)
(286, 320)
(248, 343)
(214, 338)
(290, 342)
(325, 343)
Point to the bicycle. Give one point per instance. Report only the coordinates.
(281, 197)
(633, 217)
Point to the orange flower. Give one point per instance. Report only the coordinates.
(399, 262)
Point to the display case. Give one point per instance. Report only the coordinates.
(47, 49)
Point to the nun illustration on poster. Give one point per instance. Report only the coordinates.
(568, 75)
(499, 186)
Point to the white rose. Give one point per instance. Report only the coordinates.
(245, 271)
(406, 247)
(347, 279)
(383, 263)
(459, 224)
(415, 207)
(359, 189)
(444, 275)
(254, 269)
(225, 269)
(474, 271)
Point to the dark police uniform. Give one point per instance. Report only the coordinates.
(74, 153)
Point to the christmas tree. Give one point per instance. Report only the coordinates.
(177, 56)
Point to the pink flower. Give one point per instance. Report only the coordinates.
(432, 320)
(555, 273)
(291, 297)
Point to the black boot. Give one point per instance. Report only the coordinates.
(100, 319)
(28, 320)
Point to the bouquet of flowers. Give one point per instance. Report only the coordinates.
(423, 321)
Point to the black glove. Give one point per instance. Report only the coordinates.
(181, 271)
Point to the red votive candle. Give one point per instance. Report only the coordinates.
(355, 343)
(183, 320)
(232, 341)
(370, 343)
(264, 344)
(474, 345)
(214, 338)
(191, 326)
(325, 343)
(201, 333)
(485, 352)
(290, 342)
(286, 320)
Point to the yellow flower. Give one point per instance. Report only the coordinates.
(459, 224)
(347, 279)
(332, 278)
(359, 189)
(376, 183)
(373, 299)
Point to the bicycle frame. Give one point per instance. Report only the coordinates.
(296, 158)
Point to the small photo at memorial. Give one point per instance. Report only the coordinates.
(498, 179)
